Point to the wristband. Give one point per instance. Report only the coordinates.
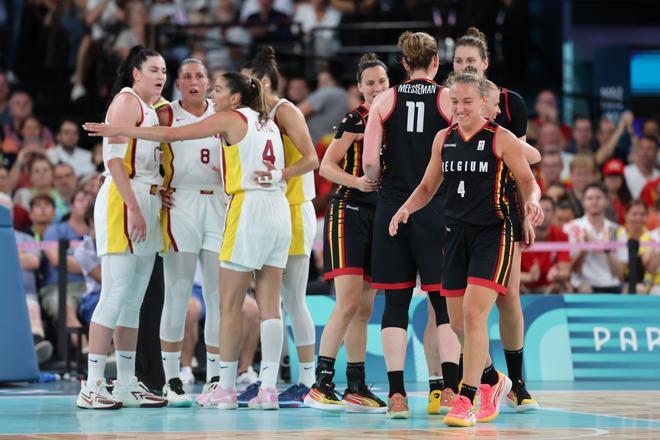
(275, 176)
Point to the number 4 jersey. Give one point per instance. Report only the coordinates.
(195, 163)
(409, 130)
(475, 177)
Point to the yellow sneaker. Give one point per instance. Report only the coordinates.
(520, 398)
(435, 399)
(324, 397)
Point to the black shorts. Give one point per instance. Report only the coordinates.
(516, 214)
(347, 236)
(417, 248)
(479, 255)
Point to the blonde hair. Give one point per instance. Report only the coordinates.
(418, 49)
(582, 161)
(468, 77)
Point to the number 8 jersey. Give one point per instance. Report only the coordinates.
(191, 164)
(475, 177)
(262, 142)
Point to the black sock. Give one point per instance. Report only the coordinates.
(355, 376)
(514, 360)
(325, 370)
(490, 376)
(436, 384)
(450, 374)
(396, 382)
(460, 368)
(468, 391)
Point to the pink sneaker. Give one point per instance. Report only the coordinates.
(266, 399)
(461, 414)
(490, 398)
(216, 397)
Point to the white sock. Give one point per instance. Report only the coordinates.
(272, 336)
(171, 361)
(95, 368)
(125, 366)
(228, 375)
(306, 374)
(212, 366)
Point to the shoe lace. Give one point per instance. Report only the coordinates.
(329, 392)
(365, 391)
(520, 390)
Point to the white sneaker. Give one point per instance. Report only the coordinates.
(96, 396)
(246, 378)
(175, 395)
(135, 395)
(186, 375)
(77, 92)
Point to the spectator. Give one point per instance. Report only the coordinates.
(4, 100)
(319, 13)
(11, 18)
(547, 112)
(550, 169)
(297, 90)
(65, 182)
(583, 137)
(97, 157)
(643, 167)
(564, 213)
(250, 7)
(67, 150)
(4, 181)
(73, 229)
(583, 173)
(550, 139)
(41, 180)
(28, 258)
(650, 195)
(354, 96)
(21, 216)
(634, 228)
(137, 17)
(556, 192)
(595, 271)
(651, 257)
(20, 109)
(325, 107)
(90, 264)
(268, 25)
(33, 135)
(227, 45)
(42, 214)
(91, 185)
(546, 272)
(617, 190)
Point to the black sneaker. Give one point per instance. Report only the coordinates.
(324, 397)
(520, 398)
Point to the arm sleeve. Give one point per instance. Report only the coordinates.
(352, 123)
(518, 112)
(115, 151)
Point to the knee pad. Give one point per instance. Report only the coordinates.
(211, 294)
(118, 273)
(439, 304)
(397, 303)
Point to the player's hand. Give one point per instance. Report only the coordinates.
(529, 235)
(401, 216)
(137, 227)
(166, 198)
(267, 178)
(98, 129)
(533, 212)
(366, 184)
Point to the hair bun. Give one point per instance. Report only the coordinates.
(266, 55)
(368, 57)
(476, 33)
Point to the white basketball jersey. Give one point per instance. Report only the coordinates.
(142, 158)
(262, 141)
(195, 163)
(300, 188)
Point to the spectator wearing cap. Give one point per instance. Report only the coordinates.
(617, 190)
(595, 271)
(643, 167)
(634, 228)
(546, 272)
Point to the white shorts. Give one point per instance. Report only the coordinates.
(303, 228)
(111, 222)
(257, 231)
(195, 222)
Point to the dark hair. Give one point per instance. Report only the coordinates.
(88, 218)
(41, 197)
(475, 38)
(134, 60)
(548, 199)
(191, 61)
(596, 185)
(264, 64)
(637, 202)
(367, 61)
(418, 48)
(581, 117)
(67, 121)
(649, 137)
(250, 90)
(565, 203)
(623, 193)
(64, 164)
(38, 157)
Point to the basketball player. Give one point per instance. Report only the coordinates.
(191, 228)
(257, 227)
(127, 234)
(473, 159)
(300, 157)
(472, 50)
(348, 234)
(404, 120)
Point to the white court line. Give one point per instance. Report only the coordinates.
(600, 415)
(597, 433)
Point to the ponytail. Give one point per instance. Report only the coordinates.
(418, 49)
(264, 65)
(251, 92)
(134, 60)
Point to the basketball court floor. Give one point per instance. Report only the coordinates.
(569, 410)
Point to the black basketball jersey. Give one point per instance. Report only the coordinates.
(409, 130)
(354, 122)
(475, 178)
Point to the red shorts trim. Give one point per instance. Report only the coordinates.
(488, 284)
(344, 271)
(452, 293)
(432, 287)
(394, 286)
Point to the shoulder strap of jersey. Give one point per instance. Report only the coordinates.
(273, 111)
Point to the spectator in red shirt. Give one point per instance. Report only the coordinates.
(546, 272)
(617, 191)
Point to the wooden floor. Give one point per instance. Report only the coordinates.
(568, 414)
